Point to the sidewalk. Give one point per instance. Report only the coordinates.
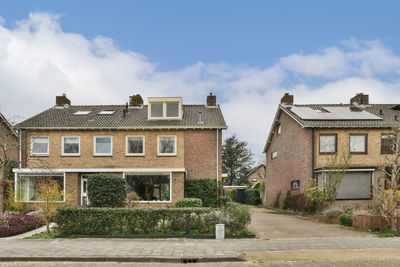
(176, 250)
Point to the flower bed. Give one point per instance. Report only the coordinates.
(13, 224)
(129, 222)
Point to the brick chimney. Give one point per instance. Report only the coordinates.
(287, 99)
(62, 100)
(135, 101)
(211, 100)
(360, 99)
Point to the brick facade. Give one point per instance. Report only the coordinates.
(7, 137)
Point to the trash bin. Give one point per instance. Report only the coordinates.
(220, 231)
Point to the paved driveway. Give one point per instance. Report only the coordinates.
(269, 224)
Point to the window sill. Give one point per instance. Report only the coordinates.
(103, 155)
(134, 155)
(359, 153)
(327, 153)
(153, 202)
(168, 155)
(66, 155)
(38, 155)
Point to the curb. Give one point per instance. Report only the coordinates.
(125, 259)
(153, 237)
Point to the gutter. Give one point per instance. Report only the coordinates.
(313, 154)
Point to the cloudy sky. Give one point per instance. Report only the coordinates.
(247, 53)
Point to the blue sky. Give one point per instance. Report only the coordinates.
(249, 53)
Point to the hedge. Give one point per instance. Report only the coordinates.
(126, 222)
(107, 190)
(188, 202)
(252, 197)
(205, 189)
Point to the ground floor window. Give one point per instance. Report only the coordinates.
(27, 185)
(150, 187)
(354, 185)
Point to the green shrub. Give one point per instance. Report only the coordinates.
(286, 201)
(315, 197)
(333, 212)
(252, 197)
(257, 186)
(345, 219)
(106, 190)
(205, 189)
(232, 194)
(188, 202)
(224, 200)
(125, 222)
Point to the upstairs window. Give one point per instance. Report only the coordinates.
(327, 143)
(388, 144)
(103, 145)
(274, 154)
(358, 143)
(70, 146)
(279, 129)
(135, 145)
(39, 145)
(166, 145)
(165, 108)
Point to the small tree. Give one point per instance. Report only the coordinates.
(335, 170)
(237, 160)
(49, 196)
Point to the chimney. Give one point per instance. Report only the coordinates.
(135, 101)
(287, 99)
(211, 100)
(62, 100)
(360, 99)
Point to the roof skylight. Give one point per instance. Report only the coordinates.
(82, 112)
(106, 112)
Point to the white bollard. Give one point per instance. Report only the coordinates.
(220, 231)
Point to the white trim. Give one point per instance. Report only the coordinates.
(164, 101)
(84, 179)
(70, 154)
(166, 154)
(154, 201)
(48, 146)
(348, 170)
(235, 186)
(135, 154)
(95, 170)
(94, 146)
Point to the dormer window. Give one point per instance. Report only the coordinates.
(165, 108)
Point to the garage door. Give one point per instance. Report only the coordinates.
(355, 185)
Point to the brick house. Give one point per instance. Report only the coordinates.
(155, 147)
(9, 139)
(256, 175)
(303, 138)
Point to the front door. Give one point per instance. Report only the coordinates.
(84, 197)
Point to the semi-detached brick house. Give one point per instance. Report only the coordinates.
(303, 138)
(8, 139)
(155, 147)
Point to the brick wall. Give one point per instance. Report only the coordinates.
(6, 137)
(294, 146)
(200, 154)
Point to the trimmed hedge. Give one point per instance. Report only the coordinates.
(188, 202)
(205, 189)
(107, 190)
(252, 197)
(125, 222)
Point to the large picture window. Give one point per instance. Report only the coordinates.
(358, 143)
(327, 143)
(103, 145)
(40, 146)
(167, 145)
(135, 145)
(150, 187)
(27, 186)
(70, 146)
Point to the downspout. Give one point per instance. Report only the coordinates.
(313, 154)
(20, 148)
(217, 163)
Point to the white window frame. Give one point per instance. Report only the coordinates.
(165, 101)
(275, 152)
(94, 146)
(37, 174)
(70, 154)
(48, 146)
(127, 148)
(166, 154)
(149, 173)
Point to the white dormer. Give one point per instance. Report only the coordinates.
(165, 108)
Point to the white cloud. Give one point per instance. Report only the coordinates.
(38, 61)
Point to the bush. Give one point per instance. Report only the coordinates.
(188, 202)
(333, 212)
(205, 189)
(232, 194)
(252, 197)
(286, 203)
(277, 200)
(224, 200)
(345, 219)
(315, 197)
(13, 224)
(106, 190)
(125, 222)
